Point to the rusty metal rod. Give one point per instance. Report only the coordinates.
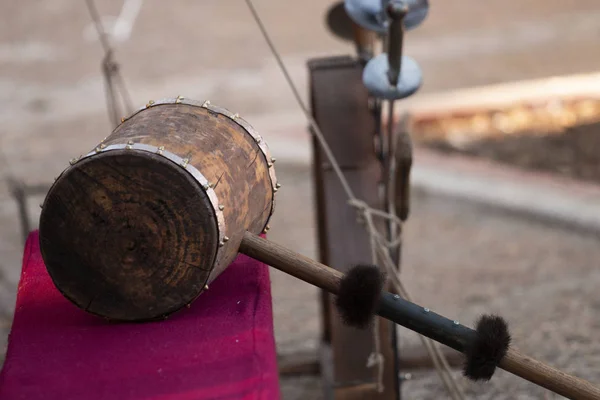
(396, 10)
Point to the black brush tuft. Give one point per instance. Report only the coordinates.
(359, 295)
(488, 349)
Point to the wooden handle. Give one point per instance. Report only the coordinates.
(291, 262)
(329, 279)
(550, 378)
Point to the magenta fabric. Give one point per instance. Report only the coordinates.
(222, 347)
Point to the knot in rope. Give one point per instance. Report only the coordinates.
(376, 359)
(367, 214)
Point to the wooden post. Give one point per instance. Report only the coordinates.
(340, 106)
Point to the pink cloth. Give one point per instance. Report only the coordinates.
(221, 348)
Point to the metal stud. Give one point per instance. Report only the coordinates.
(221, 207)
(235, 116)
(160, 150)
(426, 310)
(206, 104)
(150, 103)
(185, 162)
(221, 244)
(273, 159)
(275, 190)
(97, 149)
(73, 161)
(277, 186)
(123, 119)
(375, 78)
(456, 322)
(396, 296)
(188, 305)
(225, 238)
(406, 377)
(178, 100)
(205, 287)
(102, 146)
(269, 165)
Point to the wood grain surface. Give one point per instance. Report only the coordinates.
(128, 236)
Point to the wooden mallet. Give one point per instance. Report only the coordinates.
(140, 226)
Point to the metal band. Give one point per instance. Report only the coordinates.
(181, 162)
(262, 145)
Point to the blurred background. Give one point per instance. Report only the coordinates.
(460, 258)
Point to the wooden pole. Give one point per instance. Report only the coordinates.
(329, 279)
(548, 377)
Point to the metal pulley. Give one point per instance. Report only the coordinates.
(392, 76)
(376, 80)
(371, 14)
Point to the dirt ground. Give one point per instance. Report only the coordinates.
(460, 261)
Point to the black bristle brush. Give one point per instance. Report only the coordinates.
(487, 350)
(360, 297)
(359, 294)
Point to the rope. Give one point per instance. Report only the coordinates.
(438, 358)
(376, 357)
(380, 245)
(110, 71)
(292, 86)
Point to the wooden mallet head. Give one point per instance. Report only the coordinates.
(137, 228)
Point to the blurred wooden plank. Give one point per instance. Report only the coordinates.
(412, 358)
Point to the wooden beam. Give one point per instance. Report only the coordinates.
(411, 359)
(340, 106)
